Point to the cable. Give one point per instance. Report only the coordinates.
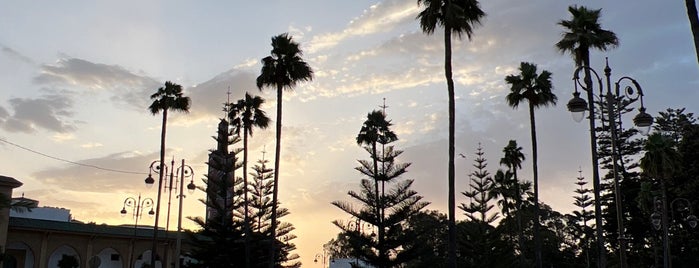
(68, 161)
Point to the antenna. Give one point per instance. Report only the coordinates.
(383, 107)
(226, 107)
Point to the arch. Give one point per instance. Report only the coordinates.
(63, 252)
(110, 258)
(22, 254)
(144, 258)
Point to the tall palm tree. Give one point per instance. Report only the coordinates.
(456, 17)
(513, 159)
(283, 69)
(376, 130)
(169, 97)
(660, 162)
(693, 23)
(583, 32)
(536, 90)
(248, 115)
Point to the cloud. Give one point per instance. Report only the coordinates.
(103, 179)
(50, 112)
(208, 98)
(126, 87)
(380, 17)
(13, 54)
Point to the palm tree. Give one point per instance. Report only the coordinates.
(693, 23)
(660, 162)
(456, 17)
(536, 90)
(169, 97)
(283, 69)
(583, 32)
(248, 115)
(513, 161)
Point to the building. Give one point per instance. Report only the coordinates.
(45, 236)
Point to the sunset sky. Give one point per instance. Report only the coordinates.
(76, 76)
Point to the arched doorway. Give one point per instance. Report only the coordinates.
(144, 259)
(110, 258)
(21, 254)
(64, 257)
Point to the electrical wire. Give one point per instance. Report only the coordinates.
(69, 161)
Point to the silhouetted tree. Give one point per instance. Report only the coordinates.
(693, 24)
(169, 97)
(283, 69)
(456, 17)
(579, 228)
(388, 211)
(661, 162)
(582, 33)
(481, 184)
(246, 115)
(536, 90)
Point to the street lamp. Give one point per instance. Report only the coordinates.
(137, 207)
(642, 121)
(659, 220)
(162, 169)
(323, 258)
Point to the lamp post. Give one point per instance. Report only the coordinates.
(659, 219)
(162, 169)
(323, 258)
(137, 207)
(185, 172)
(643, 121)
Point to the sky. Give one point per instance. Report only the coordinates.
(76, 76)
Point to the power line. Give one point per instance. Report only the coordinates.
(69, 161)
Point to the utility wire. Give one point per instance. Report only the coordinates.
(68, 161)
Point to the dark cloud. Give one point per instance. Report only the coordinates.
(127, 87)
(52, 112)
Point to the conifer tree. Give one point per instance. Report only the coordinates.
(580, 230)
(481, 184)
(387, 210)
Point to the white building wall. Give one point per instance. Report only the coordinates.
(44, 213)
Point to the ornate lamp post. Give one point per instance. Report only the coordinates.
(162, 169)
(659, 220)
(185, 172)
(643, 121)
(137, 207)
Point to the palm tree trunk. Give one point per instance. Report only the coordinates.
(693, 23)
(535, 168)
(154, 249)
(451, 174)
(275, 192)
(602, 252)
(245, 196)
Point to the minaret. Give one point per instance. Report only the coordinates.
(220, 163)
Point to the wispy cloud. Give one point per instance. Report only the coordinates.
(380, 17)
(13, 54)
(95, 76)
